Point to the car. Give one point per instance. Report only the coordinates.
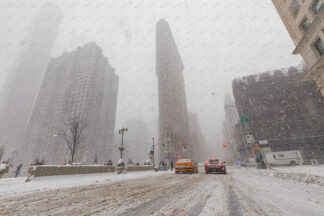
(248, 162)
(201, 164)
(186, 166)
(215, 166)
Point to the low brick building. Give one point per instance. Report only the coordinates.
(284, 110)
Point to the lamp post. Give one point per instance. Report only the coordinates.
(152, 152)
(121, 147)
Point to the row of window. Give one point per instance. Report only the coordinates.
(319, 46)
(306, 23)
(315, 6)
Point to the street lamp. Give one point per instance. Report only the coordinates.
(152, 152)
(121, 147)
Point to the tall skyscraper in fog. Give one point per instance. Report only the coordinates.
(23, 83)
(197, 138)
(137, 141)
(231, 119)
(173, 115)
(79, 83)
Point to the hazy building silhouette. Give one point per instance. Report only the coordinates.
(197, 141)
(82, 83)
(22, 85)
(173, 115)
(284, 110)
(137, 141)
(231, 119)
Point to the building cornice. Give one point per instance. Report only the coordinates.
(310, 32)
(318, 67)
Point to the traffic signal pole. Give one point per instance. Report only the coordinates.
(153, 148)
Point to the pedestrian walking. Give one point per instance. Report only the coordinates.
(171, 164)
(164, 164)
(17, 172)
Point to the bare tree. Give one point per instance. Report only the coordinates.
(72, 137)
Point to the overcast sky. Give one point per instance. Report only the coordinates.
(218, 40)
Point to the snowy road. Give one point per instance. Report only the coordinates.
(240, 192)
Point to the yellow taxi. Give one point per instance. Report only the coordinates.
(186, 166)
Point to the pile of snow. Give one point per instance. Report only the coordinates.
(306, 169)
(15, 186)
(304, 174)
(3, 167)
(277, 196)
(120, 163)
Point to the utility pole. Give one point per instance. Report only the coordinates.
(153, 148)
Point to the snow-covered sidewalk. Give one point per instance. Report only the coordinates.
(306, 169)
(277, 195)
(17, 186)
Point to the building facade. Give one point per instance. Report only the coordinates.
(137, 141)
(20, 90)
(197, 140)
(231, 119)
(23, 83)
(283, 110)
(304, 20)
(79, 83)
(173, 115)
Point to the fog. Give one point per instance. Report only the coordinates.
(217, 40)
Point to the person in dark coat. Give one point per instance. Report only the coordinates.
(17, 172)
(171, 164)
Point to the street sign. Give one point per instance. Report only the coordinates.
(249, 139)
(263, 142)
(244, 119)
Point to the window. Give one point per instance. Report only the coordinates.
(319, 46)
(316, 6)
(295, 7)
(305, 24)
(281, 155)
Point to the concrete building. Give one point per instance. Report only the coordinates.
(304, 20)
(173, 115)
(23, 83)
(20, 90)
(197, 141)
(80, 83)
(137, 141)
(282, 110)
(231, 119)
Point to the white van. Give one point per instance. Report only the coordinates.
(283, 158)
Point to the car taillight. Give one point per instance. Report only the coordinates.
(221, 162)
(189, 164)
(206, 162)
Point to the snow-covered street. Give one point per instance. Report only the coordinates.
(243, 191)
